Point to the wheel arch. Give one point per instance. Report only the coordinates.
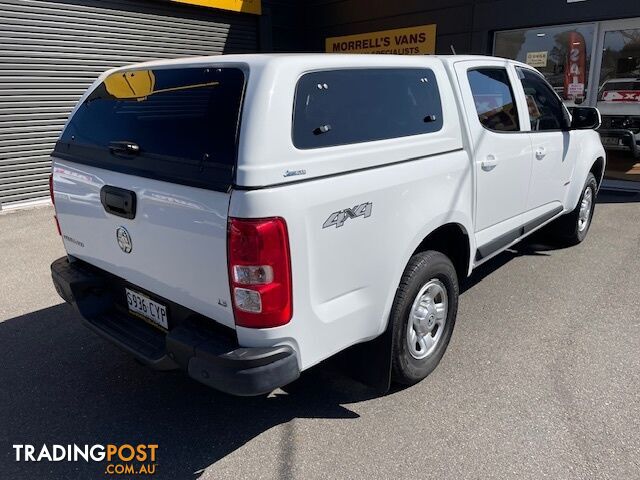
(598, 170)
(451, 239)
(591, 159)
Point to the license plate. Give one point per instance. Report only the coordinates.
(611, 141)
(142, 305)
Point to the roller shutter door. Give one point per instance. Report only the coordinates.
(51, 51)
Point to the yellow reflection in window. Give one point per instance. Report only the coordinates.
(139, 84)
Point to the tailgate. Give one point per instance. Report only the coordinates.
(142, 177)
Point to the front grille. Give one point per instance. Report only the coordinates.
(622, 122)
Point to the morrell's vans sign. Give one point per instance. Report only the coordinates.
(401, 41)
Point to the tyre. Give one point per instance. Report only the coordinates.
(423, 316)
(572, 228)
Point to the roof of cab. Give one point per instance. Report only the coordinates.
(310, 61)
(306, 59)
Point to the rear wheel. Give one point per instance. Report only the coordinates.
(423, 316)
(572, 228)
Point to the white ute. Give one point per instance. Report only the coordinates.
(246, 217)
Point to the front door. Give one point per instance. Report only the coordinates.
(554, 146)
(502, 150)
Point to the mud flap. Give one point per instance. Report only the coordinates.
(370, 362)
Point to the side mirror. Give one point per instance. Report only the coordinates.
(585, 118)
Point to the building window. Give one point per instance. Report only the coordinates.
(562, 54)
(340, 107)
(620, 71)
(493, 97)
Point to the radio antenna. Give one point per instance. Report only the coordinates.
(453, 50)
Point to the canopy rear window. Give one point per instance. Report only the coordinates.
(178, 125)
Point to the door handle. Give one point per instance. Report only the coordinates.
(118, 201)
(124, 148)
(540, 153)
(489, 163)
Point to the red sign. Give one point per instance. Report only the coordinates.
(621, 96)
(575, 66)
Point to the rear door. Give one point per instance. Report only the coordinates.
(502, 151)
(142, 178)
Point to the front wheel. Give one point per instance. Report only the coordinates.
(572, 228)
(423, 316)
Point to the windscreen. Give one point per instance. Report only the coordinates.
(178, 125)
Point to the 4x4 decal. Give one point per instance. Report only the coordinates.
(337, 219)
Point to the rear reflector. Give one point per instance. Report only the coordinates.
(53, 201)
(260, 272)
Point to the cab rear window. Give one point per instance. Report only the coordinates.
(178, 125)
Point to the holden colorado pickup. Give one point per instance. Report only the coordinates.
(244, 218)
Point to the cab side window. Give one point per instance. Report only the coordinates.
(546, 111)
(493, 98)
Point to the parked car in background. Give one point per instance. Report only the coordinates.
(247, 217)
(619, 105)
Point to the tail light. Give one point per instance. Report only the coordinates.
(53, 201)
(260, 272)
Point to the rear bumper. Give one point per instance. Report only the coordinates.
(626, 140)
(206, 355)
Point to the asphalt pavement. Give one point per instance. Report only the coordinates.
(541, 380)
